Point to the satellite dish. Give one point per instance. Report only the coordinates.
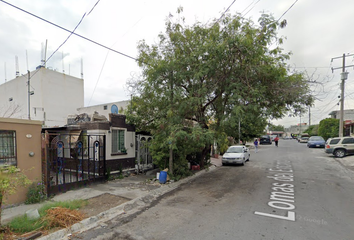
(114, 109)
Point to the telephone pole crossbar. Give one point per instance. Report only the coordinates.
(344, 76)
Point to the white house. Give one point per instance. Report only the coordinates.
(52, 97)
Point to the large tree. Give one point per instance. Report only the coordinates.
(328, 128)
(203, 75)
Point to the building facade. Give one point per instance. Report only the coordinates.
(51, 97)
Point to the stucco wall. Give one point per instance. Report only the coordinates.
(28, 139)
(55, 96)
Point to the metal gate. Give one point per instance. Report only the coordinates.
(74, 161)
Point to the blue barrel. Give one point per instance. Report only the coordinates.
(163, 177)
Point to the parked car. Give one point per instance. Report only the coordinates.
(265, 139)
(303, 139)
(340, 146)
(316, 141)
(236, 155)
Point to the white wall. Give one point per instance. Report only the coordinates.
(104, 109)
(56, 95)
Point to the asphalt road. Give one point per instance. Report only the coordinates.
(288, 192)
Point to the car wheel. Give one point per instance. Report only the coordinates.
(339, 153)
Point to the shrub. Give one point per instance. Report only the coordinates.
(36, 193)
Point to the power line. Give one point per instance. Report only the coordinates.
(250, 9)
(93, 7)
(287, 10)
(225, 11)
(56, 25)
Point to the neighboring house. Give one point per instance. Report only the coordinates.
(105, 109)
(347, 114)
(53, 96)
(88, 149)
(20, 146)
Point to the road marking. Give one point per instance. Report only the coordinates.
(282, 195)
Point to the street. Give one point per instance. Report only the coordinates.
(288, 192)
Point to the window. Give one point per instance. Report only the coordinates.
(348, 141)
(118, 145)
(105, 107)
(8, 148)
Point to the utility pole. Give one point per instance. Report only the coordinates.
(309, 116)
(344, 76)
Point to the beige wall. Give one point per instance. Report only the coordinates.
(28, 139)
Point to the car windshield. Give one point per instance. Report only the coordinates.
(305, 138)
(316, 138)
(235, 150)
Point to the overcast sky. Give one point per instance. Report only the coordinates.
(316, 32)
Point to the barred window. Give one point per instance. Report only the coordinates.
(118, 145)
(8, 148)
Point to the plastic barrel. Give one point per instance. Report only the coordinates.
(163, 177)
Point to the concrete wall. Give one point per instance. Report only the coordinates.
(56, 95)
(28, 139)
(104, 109)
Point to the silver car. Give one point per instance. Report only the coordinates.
(236, 155)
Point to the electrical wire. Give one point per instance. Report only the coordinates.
(287, 10)
(225, 11)
(93, 7)
(56, 25)
(250, 9)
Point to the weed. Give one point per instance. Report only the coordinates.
(36, 193)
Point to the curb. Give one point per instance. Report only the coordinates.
(123, 209)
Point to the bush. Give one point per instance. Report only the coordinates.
(36, 193)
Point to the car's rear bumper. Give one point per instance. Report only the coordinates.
(329, 150)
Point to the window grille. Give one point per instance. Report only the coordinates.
(8, 154)
(118, 145)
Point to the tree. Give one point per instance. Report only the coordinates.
(10, 179)
(328, 128)
(9, 110)
(312, 130)
(276, 127)
(217, 71)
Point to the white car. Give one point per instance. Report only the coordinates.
(236, 155)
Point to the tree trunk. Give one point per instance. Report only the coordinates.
(204, 154)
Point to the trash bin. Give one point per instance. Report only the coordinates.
(163, 177)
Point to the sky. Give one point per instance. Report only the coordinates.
(316, 32)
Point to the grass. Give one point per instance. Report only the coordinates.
(22, 224)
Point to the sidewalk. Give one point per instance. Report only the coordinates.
(136, 189)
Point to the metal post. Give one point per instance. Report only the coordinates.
(29, 94)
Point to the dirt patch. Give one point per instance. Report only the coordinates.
(102, 203)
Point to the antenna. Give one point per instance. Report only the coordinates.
(45, 53)
(42, 54)
(82, 69)
(17, 67)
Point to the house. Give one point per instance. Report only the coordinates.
(20, 146)
(347, 114)
(50, 97)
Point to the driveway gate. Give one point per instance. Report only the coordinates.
(74, 161)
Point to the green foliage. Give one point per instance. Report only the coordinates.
(36, 193)
(10, 179)
(276, 127)
(210, 77)
(328, 128)
(312, 130)
(22, 224)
